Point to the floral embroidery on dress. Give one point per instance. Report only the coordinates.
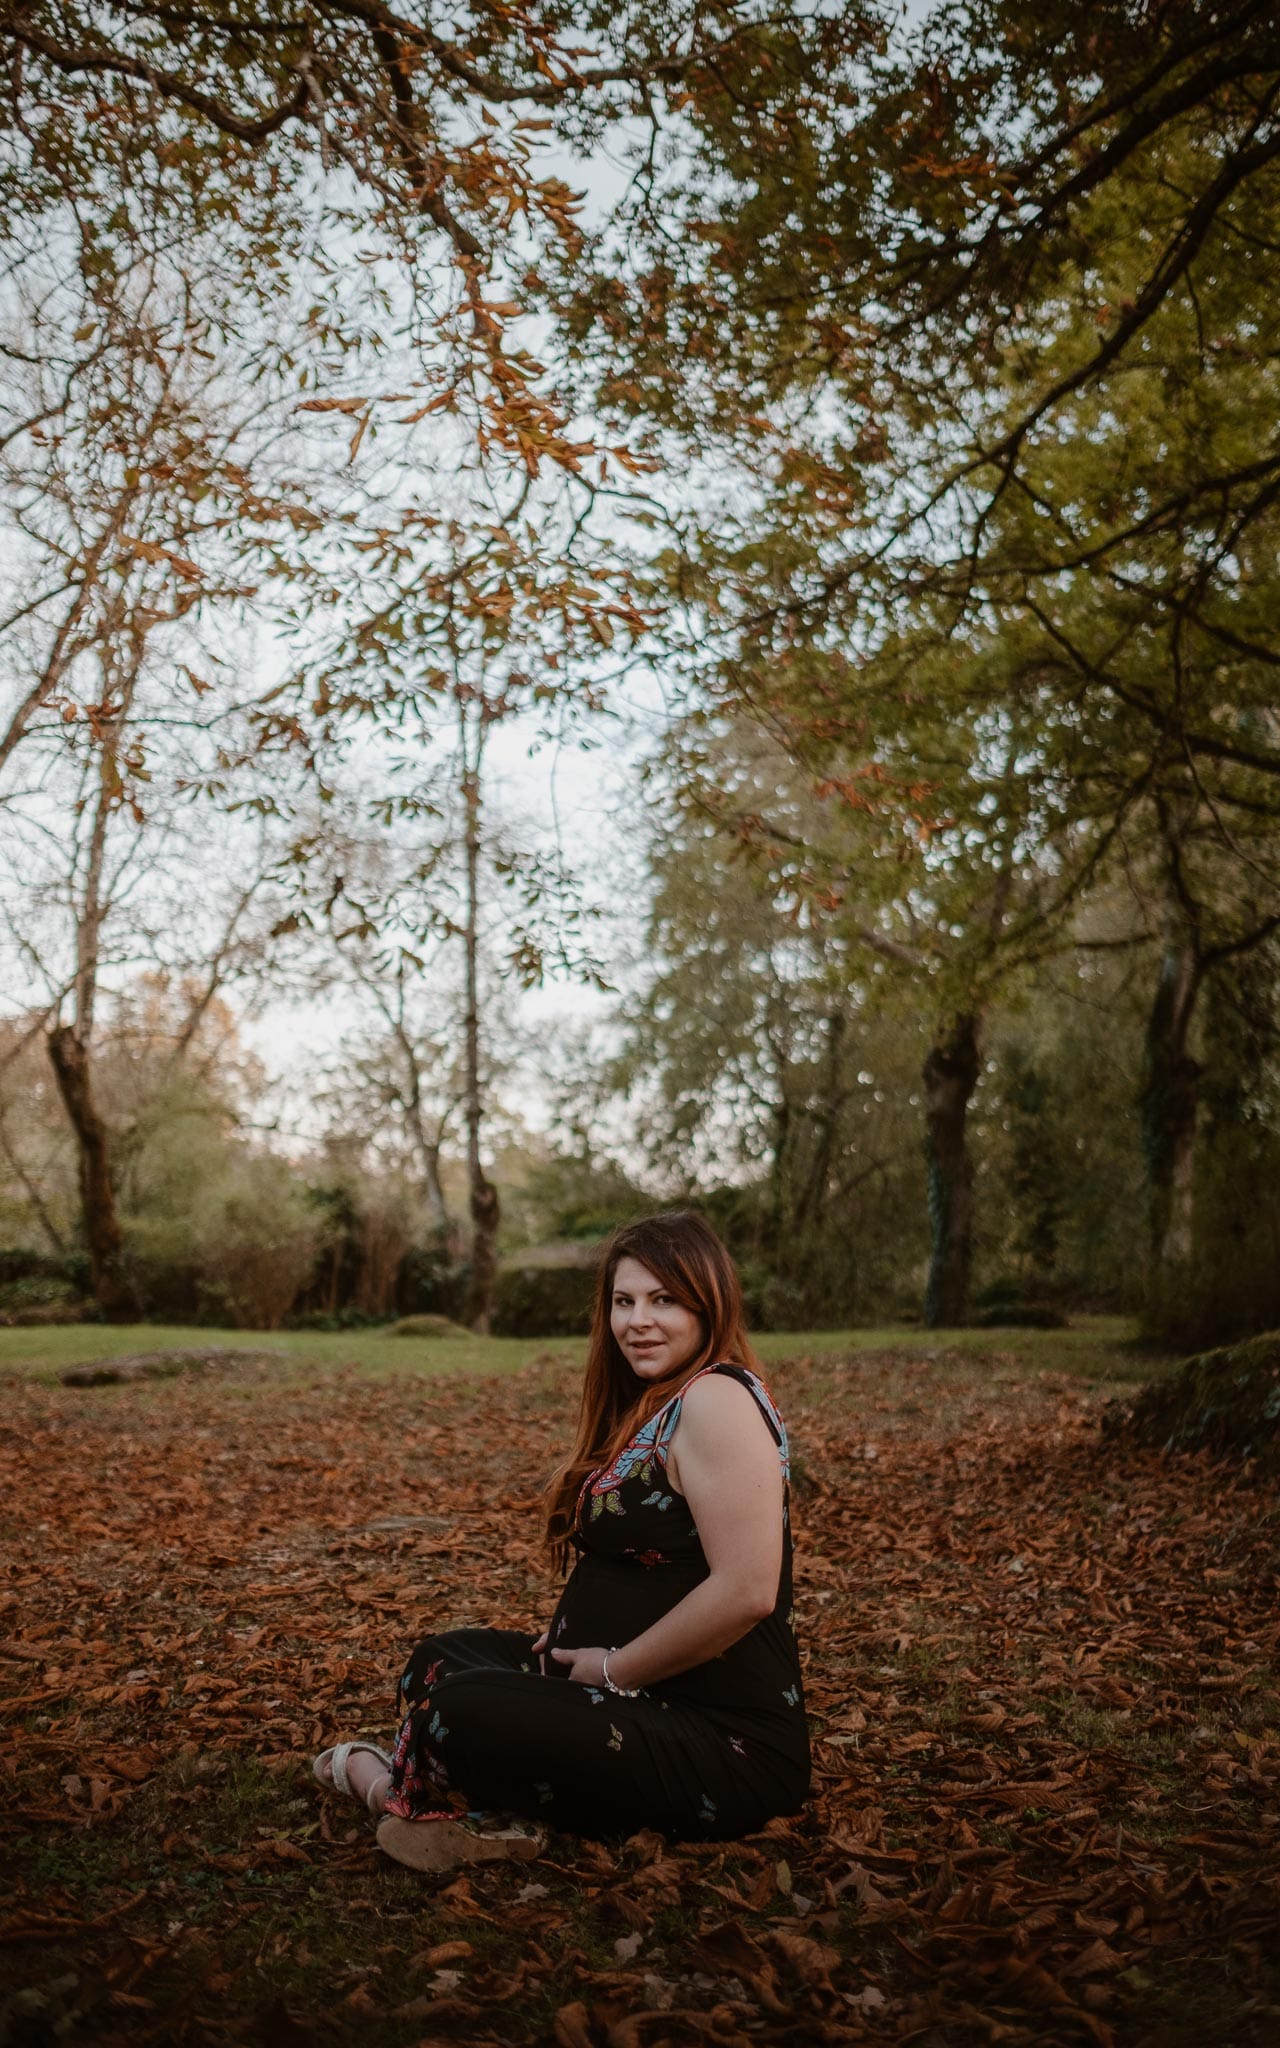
(418, 1779)
(648, 1448)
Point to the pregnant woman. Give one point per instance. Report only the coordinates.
(665, 1692)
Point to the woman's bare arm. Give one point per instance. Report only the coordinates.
(724, 1460)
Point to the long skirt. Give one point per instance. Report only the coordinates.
(482, 1727)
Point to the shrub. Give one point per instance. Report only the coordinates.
(36, 1288)
(257, 1239)
(429, 1282)
(18, 1262)
(336, 1319)
(543, 1301)
(425, 1326)
(1007, 1303)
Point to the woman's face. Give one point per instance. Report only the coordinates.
(655, 1333)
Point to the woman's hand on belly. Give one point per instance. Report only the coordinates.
(539, 1650)
(585, 1666)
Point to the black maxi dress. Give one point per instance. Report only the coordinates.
(710, 1754)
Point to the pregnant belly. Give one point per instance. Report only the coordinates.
(606, 1603)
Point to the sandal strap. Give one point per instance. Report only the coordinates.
(338, 1763)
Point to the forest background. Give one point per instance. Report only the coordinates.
(762, 521)
(603, 606)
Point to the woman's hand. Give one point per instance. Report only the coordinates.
(585, 1666)
(539, 1649)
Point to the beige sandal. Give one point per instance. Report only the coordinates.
(335, 1779)
(444, 1842)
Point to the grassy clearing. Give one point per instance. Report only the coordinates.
(1095, 1348)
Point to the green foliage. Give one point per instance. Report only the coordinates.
(768, 1070)
(336, 1319)
(1235, 1284)
(429, 1282)
(255, 1242)
(38, 1289)
(1061, 1205)
(44, 1297)
(998, 578)
(576, 1197)
(543, 1300)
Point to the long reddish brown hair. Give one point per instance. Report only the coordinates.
(682, 1251)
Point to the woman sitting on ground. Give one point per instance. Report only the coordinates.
(666, 1691)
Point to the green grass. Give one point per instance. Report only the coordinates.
(1095, 1348)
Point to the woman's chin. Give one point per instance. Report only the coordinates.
(657, 1367)
(648, 1368)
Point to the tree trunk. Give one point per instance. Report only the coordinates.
(1167, 1108)
(426, 1144)
(484, 1204)
(104, 1239)
(428, 1150)
(950, 1072)
(429, 1159)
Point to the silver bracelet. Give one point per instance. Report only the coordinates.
(624, 1692)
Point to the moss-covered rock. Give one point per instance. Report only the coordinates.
(1227, 1401)
(163, 1365)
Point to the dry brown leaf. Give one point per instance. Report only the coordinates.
(811, 1960)
(572, 2026)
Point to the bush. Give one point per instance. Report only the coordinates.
(257, 1238)
(336, 1319)
(801, 1281)
(35, 1288)
(430, 1283)
(425, 1326)
(1008, 1304)
(18, 1263)
(45, 1314)
(543, 1301)
(579, 1198)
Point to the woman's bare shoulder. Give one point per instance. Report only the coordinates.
(719, 1395)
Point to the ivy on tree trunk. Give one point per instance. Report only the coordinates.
(950, 1073)
(1168, 1103)
(104, 1239)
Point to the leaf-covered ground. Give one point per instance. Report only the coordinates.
(1041, 1674)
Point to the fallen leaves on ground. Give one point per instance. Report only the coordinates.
(1041, 1675)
